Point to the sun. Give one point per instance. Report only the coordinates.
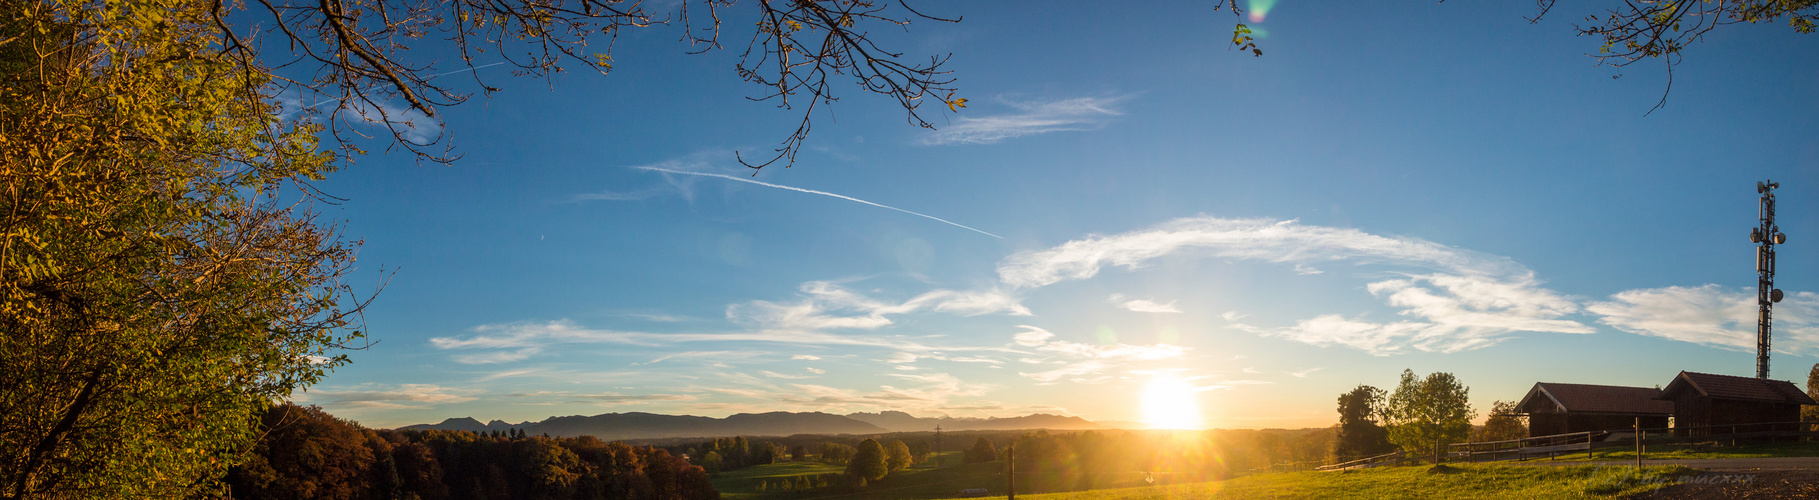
(1171, 403)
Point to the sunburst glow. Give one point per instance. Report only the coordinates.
(1171, 403)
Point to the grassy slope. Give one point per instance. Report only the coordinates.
(1406, 482)
(914, 483)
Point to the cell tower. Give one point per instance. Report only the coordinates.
(1765, 237)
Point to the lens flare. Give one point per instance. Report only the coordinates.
(1260, 8)
(1171, 403)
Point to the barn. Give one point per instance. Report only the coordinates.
(1556, 408)
(1707, 404)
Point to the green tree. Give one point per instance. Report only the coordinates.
(982, 451)
(712, 462)
(897, 456)
(156, 293)
(1503, 424)
(1424, 414)
(1360, 433)
(868, 463)
(1810, 413)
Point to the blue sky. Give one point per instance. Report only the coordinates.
(1436, 187)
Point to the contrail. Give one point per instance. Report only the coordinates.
(823, 193)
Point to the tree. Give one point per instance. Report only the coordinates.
(156, 293)
(1810, 413)
(796, 52)
(1424, 414)
(1360, 433)
(868, 464)
(1504, 423)
(798, 453)
(982, 451)
(897, 456)
(1637, 31)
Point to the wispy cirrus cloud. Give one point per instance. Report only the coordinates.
(825, 299)
(386, 397)
(1142, 305)
(1712, 315)
(1030, 118)
(1085, 363)
(1455, 299)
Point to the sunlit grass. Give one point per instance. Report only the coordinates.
(1464, 481)
(1702, 451)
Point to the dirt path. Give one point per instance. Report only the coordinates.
(1741, 484)
(1808, 463)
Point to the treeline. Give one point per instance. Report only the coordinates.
(307, 453)
(1421, 417)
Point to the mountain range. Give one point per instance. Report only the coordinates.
(637, 425)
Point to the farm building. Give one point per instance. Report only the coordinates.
(1707, 404)
(1555, 408)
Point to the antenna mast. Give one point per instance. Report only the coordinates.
(1765, 236)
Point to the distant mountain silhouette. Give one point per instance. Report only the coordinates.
(469, 424)
(904, 422)
(636, 425)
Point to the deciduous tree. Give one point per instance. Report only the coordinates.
(868, 462)
(1425, 414)
(1361, 433)
(897, 456)
(1503, 424)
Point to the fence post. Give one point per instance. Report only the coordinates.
(1638, 444)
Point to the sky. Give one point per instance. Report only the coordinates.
(1129, 221)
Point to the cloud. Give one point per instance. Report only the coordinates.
(1141, 305)
(1032, 336)
(378, 396)
(1305, 373)
(1454, 299)
(1031, 118)
(809, 357)
(1083, 362)
(813, 312)
(612, 398)
(495, 357)
(1712, 315)
(1267, 240)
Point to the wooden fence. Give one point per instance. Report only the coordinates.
(1571, 443)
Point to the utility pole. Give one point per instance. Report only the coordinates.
(1010, 474)
(1765, 236)
(937, 446)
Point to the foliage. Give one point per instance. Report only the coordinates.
(1663, 30)
(1424, 414)
(1810, 413)
(1360, 433)
(156, 291)
(356, 52)
(869, 463)
(836, 453)
(982, 451)
(307, 453)
(897, 456)
(1504, 423)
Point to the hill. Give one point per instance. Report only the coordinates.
(637, 425)
(904, 422)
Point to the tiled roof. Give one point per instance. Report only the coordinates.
(1734, 387)
(1588, 398)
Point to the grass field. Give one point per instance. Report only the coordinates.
(1461, 481)
(1408, 482)
(1690, 451)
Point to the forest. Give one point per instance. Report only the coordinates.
(305, 452)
